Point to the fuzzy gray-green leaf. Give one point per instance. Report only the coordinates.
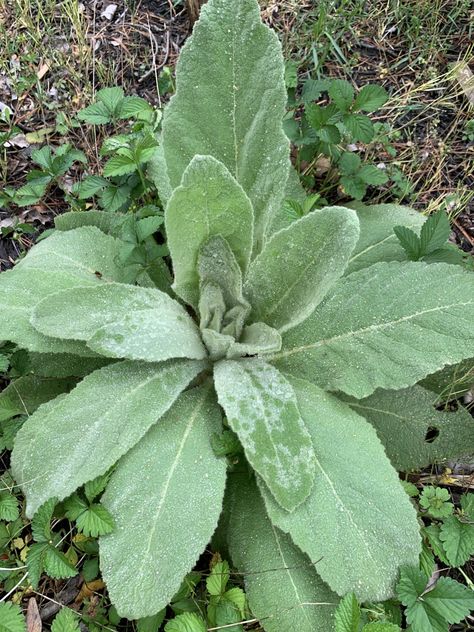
(261, 409)
(121, 321)
(386, 326)
(299, 265)
(412, 430)
(358, 521)
(377, 241)
(165, 496)
(234, 110)
(208, 202)
(70, 441)
(282, 585)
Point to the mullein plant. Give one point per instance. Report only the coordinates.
(295, 343)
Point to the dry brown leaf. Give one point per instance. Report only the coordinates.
(33, 619)
(43, 69)
(88, 589)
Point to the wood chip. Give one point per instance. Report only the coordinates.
(465, 78)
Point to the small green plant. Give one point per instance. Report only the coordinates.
(431, 244)
(237, 398)
(468, 133)
(330, 128)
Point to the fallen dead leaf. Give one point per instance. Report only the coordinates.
(465, 78)
(33, 619)
(88, 589)
(43, 69)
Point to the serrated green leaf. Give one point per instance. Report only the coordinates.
(342, 93)
(467, 505)
(261, 409)
(349, 163)
(121, 321)
(35, 562)
(90, 186)
(151, 624)
(413, 431)
(130, 107)
(65, 621)
(4, 363)
(283, 589)
(213, 202)
(217, 581)
(432, 532)
(9, 510)
(311, 254)
(114, 197)
(434, 232)
(435, 500)
(372, 175)
(119, 165)
(354, 186)
(95, 114)
(41, 523)
(95, 521)
(8, 408)
(360, 127)
(128, 397)
(74, 506)
(377, 241)
(11, 618)
(371, 98)
(458, 540)
(347, 618)
(313, 88)
(56, 564)
(356, 341)
(93, 489)
(148, 226)
(236, 596)
(173, 480)
(186, 622)
(431, 610)
(410, 242)
(249, 99)
(362, 501)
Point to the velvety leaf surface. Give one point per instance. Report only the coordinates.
(413, 432)
(157, 171)
(299, 265)
(234, 110)
(121, 321)
(83, 252)
(261, 409)
(358, 521)
(209, 202)
(81, 257)
(283, 588)
(20, 292)
(256, 338)
(60, 447)
(165, 496)
(377, 241)
(108, 223)
(386, 326)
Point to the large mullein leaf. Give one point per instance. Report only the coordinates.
(413, 432)
(208, 202)
(234, 110)
(261, 409)
(166, 497)
(80, 436)
(299, 265)
(358, 521)
(121, 321)
(378, 241)
(386, 326)
(83, 252)
(81, 257)
(283, 588)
